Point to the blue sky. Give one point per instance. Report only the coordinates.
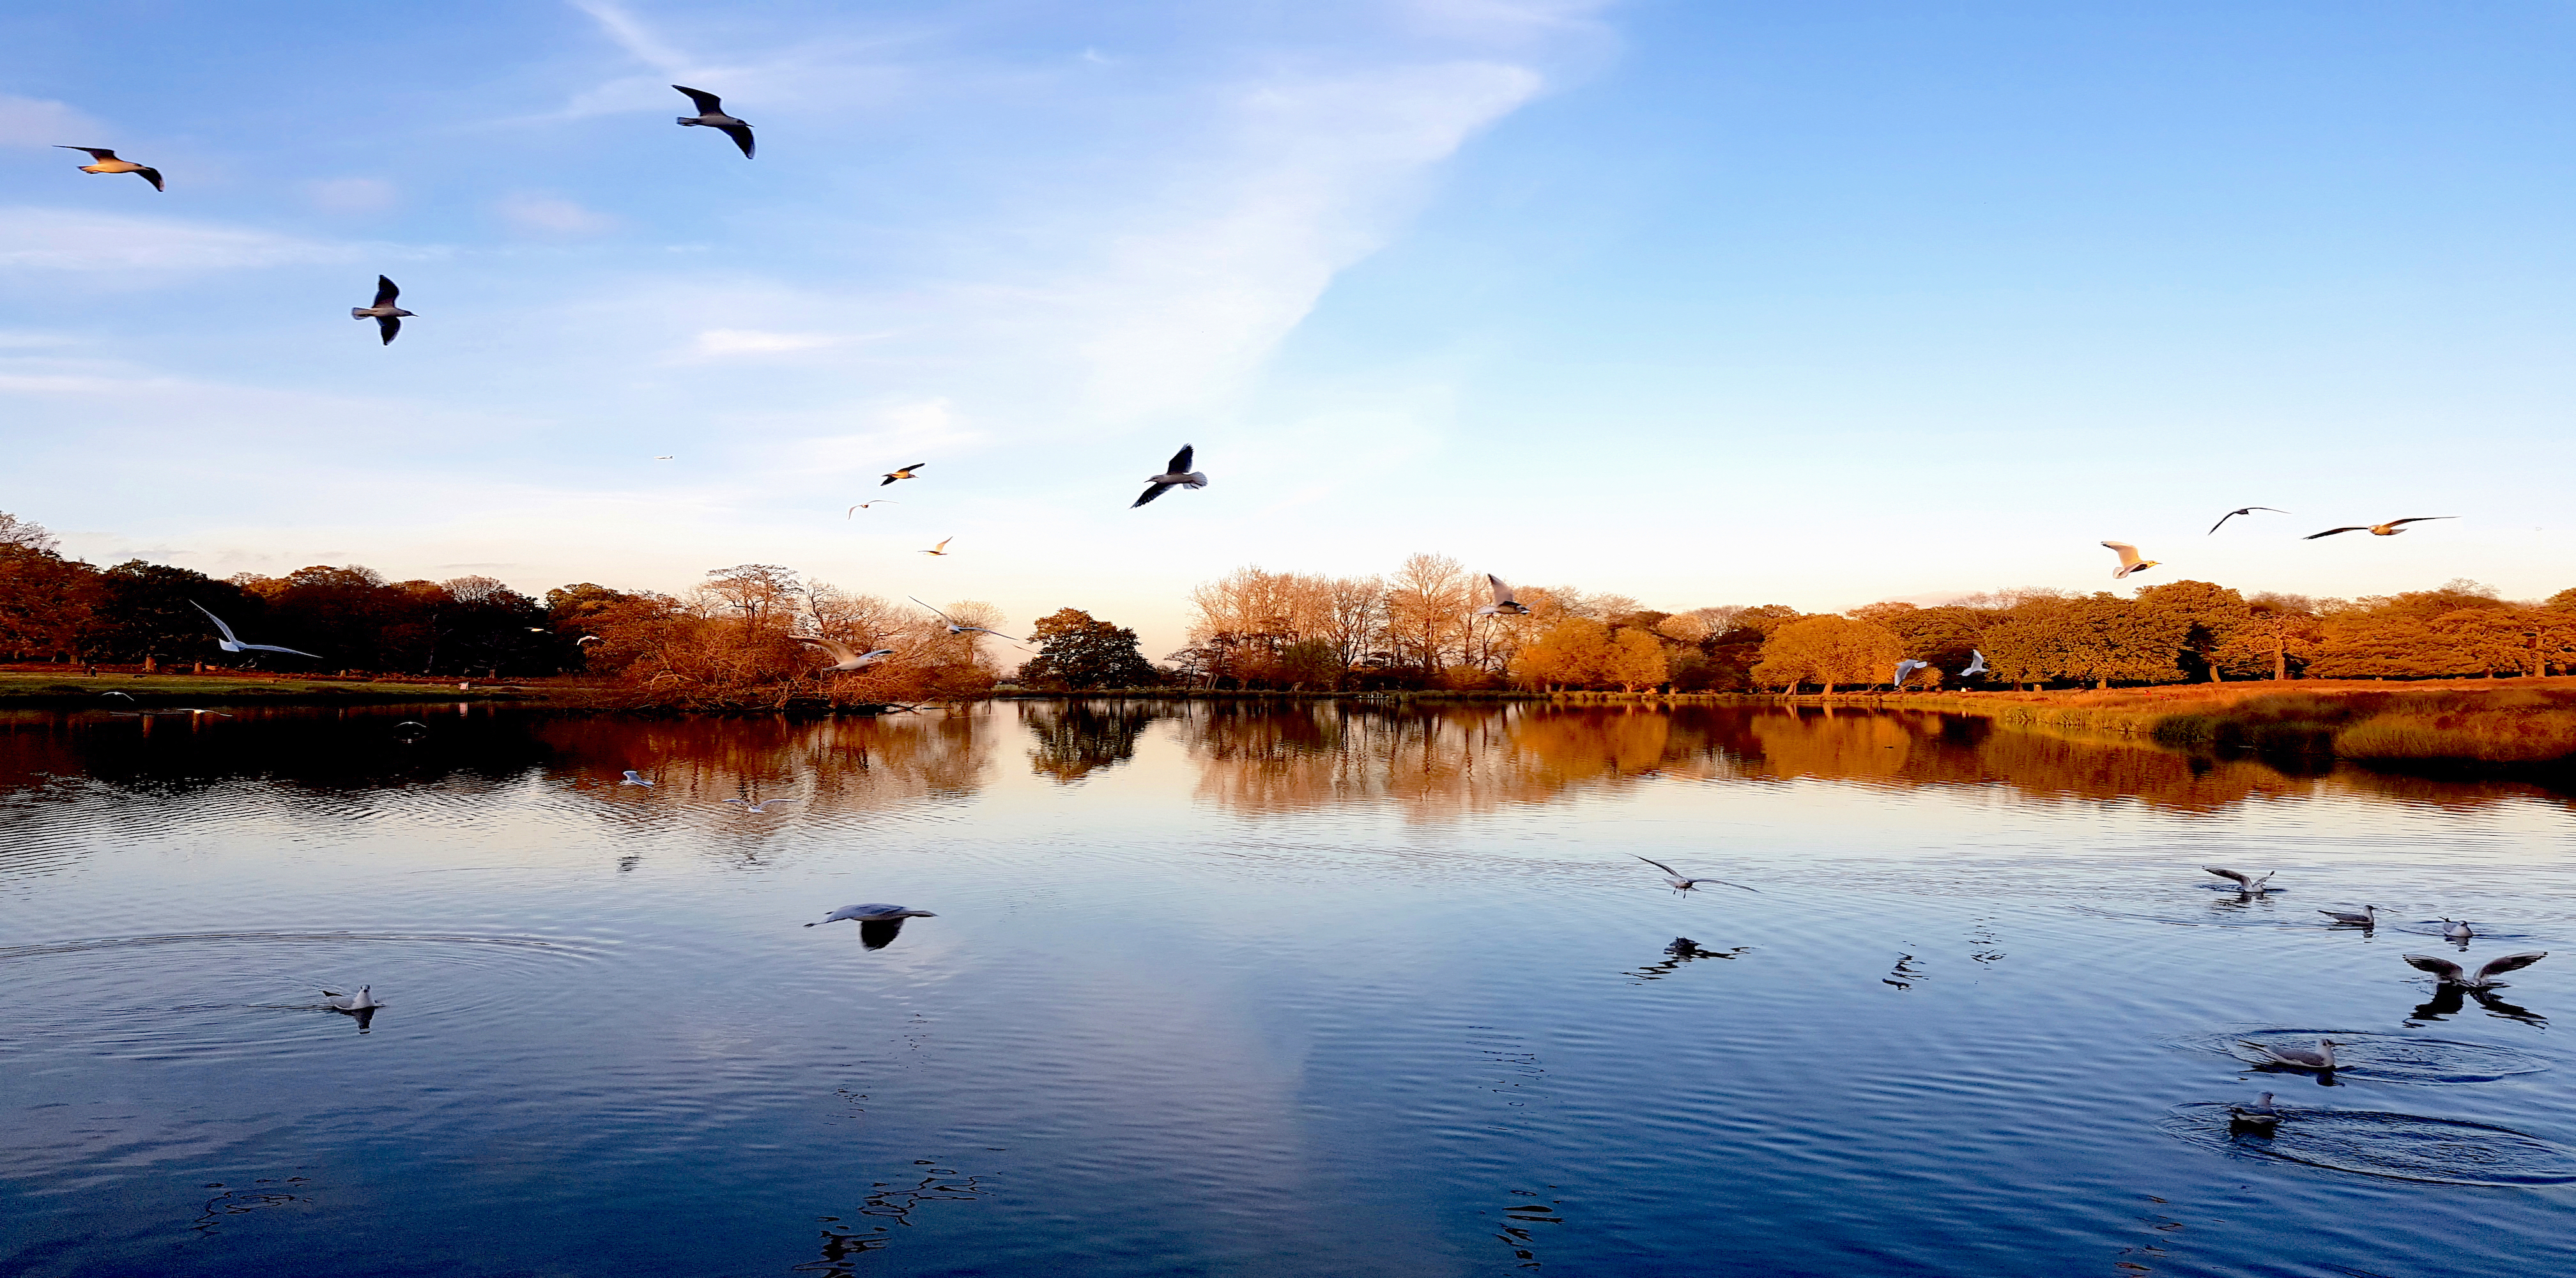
(1697, 302)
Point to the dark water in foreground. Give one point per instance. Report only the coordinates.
(1298, 992)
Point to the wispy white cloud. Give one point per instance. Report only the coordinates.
(720, 342)
(42, 122)
(632, 36)
(551, 215)
(68, 240)
(350, 194)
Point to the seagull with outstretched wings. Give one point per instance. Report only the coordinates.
(388, 317)
(232, 643)
(2389, 529)
(106, 162)
(711, 114)
(2447, 972)
(1176, 475)
(2241, 510)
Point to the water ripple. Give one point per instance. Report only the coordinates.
(2444, 1151)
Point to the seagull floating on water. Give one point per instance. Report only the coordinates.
(2242, 510)
(108, 163)
(1977, 666)
(2369, 916)
(2323, 1058)
(2389, 529)
(1906, 668)
(230, 643)
(2449, 973)
(1504, 605)
(903, 472)
(2129, 560)
(711, 114)
(1176, 475)
(955, 629)
(845, 657)
(2457, 930)
(634, 777)
(361, 1001)
(760, 807)
(873, 912)
(388, 317)
(2244, 882)
(2259, 1114)
(1683, 883)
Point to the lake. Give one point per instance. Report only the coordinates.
(1251, 989)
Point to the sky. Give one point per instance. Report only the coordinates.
(1694, 301)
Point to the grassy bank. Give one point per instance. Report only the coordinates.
(2512, 724)
(52, 689)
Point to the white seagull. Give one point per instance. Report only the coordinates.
(845, 657)
(388, 317)
(2389, 529)
(2129, 560)
(2241, 510)
(361, 1001)
(2446, 972)
(955, 629)
(2369, 916)
(2244, 882)
(711, 114)
(1906, 668)
(940, 549)
(230, 643)
(634, 777)
(2457, 930)
(587, 639)
(1176, 475)
(873, 912)
(2259, 1114)
(2296, 1057)
(1682, 883)
(1975, 667)
(1504, 605)
(881, 501)
(760, 807)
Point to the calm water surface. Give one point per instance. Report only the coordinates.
(1236, 991)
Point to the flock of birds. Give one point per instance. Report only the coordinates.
(2133, 562)
(2263, 1115)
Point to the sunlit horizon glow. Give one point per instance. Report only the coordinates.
(1697, 304)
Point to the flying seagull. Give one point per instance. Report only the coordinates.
(664, 457)
(363, 1000)
(587, 639)
(1504, 605)
(940, 549)
(711, 113)
(903, 472)
(634, 777)
(127, 695)
(108, 163)
(2369, 916)
(846, 657)
(388, 317)
(873, 912)
(2244, 882)
(1681, 883)
(881, 501)
(2447, 972)
(1906, 668)
(2129, 560)
(2242, 510)
(2259, 1114)
(761, 807)
(230, 643)
(1176, 475)
(2389, 529)
(2322, 1058)
(1975, 667)
(955, 629)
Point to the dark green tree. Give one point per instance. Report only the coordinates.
(147, 612)
(1077, 650)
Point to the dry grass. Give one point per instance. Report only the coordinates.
(2486, 721)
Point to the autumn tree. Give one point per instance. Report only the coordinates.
(1828, 651)
(1077, 650)
(1428, 603)
(2208, 615)
(2096, 638)
(1636, 660)
(1574, 652)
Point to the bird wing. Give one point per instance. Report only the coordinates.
(2332, 531)
(229, 636)
(906, 470)
(943, 545)
(706, 103)
(1696, 882)
(840, 651)
(2419, 519)
(385, 291)
(1181, 461)
(1151, 492)
(2229, 874)
(1657, 864)
(2509, 963)
(942, 616)
(95, 152)
(1502, 593)
(741, 135)
(152, 176)
(388, 325)
(270, 647)
(2222, 521)
(2128, 553)
(2274, 509)
(2441, 967)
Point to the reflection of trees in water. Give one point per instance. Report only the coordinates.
(828, 765)
(1078, 738)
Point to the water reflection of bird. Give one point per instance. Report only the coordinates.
(634, 777)
(2129, 560)
(1976, 666)
(2242, 510)
(2261, 1115)
(232, 643)
(1683, 883)
(2448, 999)
(845, 657)
(2389, 529)
(2323, 1058)
(2450, 973)
(1683, 950)
(1176, 475)
(2244, 883)
(761, 807)
(711, 114)
(879, 923)
(1504, 605)
(2367, 918)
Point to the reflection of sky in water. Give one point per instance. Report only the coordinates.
(1215, 989)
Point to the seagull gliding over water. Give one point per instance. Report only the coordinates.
(1976, 666)
(2241, 510)
(1906, 668)
(2389, 529)
(873, 912)
(231, 644)
(1682, 883)
(845, 657)
(955, 629)
(634, 777)
(761, 807)
(2129, 560)
(1504, 604)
